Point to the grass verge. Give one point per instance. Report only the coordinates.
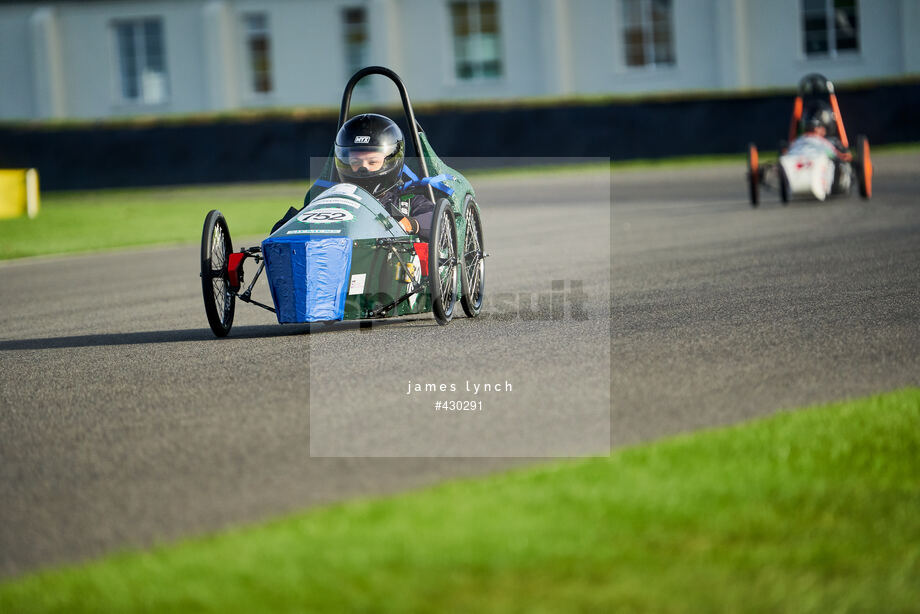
(105, 219)
(809, 511)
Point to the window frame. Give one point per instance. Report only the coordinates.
(249, 68)
(647, 26)
(830, 29)
(347, 46)
(477, 71)
(140, 49)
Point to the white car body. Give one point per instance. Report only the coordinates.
(808, 167)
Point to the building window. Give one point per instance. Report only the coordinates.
(648, 33)
(354, 22)
(258, 50)
(477, 39)
(830, 26)
(141, 60)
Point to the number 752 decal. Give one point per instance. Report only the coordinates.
(325, 216)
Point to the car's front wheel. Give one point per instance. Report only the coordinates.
(443, 262)
(863, 164)
(216, 247)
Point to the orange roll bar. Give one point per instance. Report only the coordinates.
(796, 117)
(840, 130)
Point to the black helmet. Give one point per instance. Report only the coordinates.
(818, 114)
(356, 144)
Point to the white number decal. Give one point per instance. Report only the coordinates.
(325, 216)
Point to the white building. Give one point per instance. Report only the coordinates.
(102, 58)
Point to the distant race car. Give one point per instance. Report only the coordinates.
(343, 257)
(813, 165)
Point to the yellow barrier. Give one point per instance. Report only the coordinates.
(18, 192)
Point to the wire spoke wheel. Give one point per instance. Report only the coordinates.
(473, 261)
(447, 260)
(443, 263)
(219, 299)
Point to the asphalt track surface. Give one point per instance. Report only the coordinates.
(124, 423)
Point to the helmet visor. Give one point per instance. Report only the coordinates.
(367, 161)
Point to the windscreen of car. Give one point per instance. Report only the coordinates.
(344, 210)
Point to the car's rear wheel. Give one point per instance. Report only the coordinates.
(753, 174)
(783, 184)
(443, 262)
(863, 164)
(473, 263)
(216, 247)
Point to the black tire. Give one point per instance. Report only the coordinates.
(862, 162)
(473, 274)
(783, 184)
(216, 247)
(443, 262)
(753, 174)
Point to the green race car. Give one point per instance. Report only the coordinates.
(344, 257)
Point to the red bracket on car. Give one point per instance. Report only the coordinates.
(422, 250)
(234, 268)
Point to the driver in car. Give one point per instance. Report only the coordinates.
(370, 153)
(817, 123)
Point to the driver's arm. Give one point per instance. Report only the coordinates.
(839, 151)
(421, 210)
(410, 225)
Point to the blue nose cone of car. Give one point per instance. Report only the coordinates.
(308, 260)
(308, 277)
